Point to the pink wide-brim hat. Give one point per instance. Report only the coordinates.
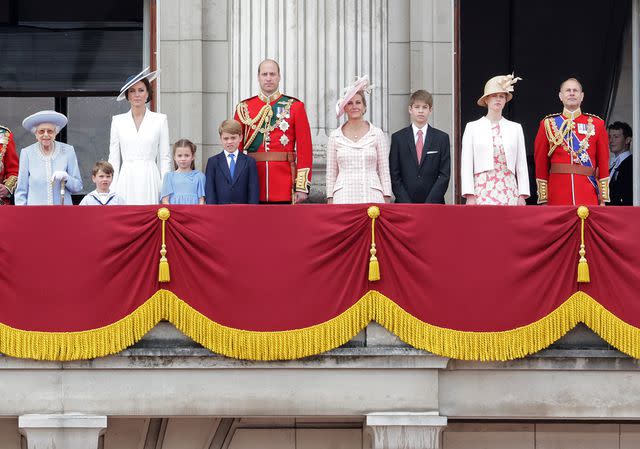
(360, 84)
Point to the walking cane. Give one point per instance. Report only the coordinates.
(63, 184)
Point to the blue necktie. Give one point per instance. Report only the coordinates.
(232, 165)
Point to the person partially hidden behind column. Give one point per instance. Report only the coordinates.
(276, 133)
(494, 159)
(46, 163)
(420, 159)
(8, 165)
(571, 153)
(621, 166)
(357, 153)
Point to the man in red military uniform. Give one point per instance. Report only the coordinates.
(276, 133)
(572, 154)
(8, 165)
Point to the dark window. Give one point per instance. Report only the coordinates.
(72, 57)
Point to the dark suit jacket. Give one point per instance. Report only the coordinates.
(221, 189)
(621, 184)
(424, 182)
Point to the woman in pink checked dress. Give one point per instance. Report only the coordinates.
(357, 154)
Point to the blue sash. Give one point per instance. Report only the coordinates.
(573, 142)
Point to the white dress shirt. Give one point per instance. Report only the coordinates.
(415, 132)
(226, 155)
(615, 163)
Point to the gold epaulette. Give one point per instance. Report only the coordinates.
(593, 115)
(551, 115)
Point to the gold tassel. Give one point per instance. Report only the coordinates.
(583, 267)
(374, 267)
(163, 271)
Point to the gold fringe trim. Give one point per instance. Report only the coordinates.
(298, 343)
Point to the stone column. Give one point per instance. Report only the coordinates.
(321, 46)
(406, 430)
(68, 431)
(180, 34)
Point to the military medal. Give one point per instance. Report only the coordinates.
(591, 129)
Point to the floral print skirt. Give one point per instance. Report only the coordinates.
(497, 186)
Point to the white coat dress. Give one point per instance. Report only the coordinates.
(140, 157)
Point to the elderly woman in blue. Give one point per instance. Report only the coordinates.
(46, 163)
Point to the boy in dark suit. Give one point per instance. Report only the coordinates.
(231, 176)
(621, 166)
(419, 159)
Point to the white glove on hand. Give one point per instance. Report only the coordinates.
(59, 175)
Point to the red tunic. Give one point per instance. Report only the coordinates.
(285, 130)
(571, 188)
(8, 162)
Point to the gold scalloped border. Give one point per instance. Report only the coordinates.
(298, 343)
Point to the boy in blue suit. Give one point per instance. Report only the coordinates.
(231, 176)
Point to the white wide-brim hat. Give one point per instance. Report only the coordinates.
(501, 84)
(360, 84)
(134, 79)
(53, 117)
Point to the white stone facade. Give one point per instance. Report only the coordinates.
(210, 51)
(377, 393)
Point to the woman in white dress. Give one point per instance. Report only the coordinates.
(494, 160)
(139, 150)
(357, 154)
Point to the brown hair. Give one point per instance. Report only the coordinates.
(231, 127)
(184, 143)
(147, 85)
(103, 166)
(421, 95)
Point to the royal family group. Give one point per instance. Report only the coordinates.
(267, 154)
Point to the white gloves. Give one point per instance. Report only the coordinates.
(59, 175)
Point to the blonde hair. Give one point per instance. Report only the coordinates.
(231, 127)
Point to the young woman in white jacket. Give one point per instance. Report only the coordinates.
(494, 159)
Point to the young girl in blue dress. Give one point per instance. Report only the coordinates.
(186, 184)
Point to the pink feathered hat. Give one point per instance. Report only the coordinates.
(360, 84)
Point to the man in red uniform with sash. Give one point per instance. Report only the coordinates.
(572, 154)
(8, 165)
(276, 133)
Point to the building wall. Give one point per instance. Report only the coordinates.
(210, 49)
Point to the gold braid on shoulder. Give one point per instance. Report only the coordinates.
(554, 135)
(253, 124)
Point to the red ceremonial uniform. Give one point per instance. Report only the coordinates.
(8, 162)
(572, 159)
(276, 133)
